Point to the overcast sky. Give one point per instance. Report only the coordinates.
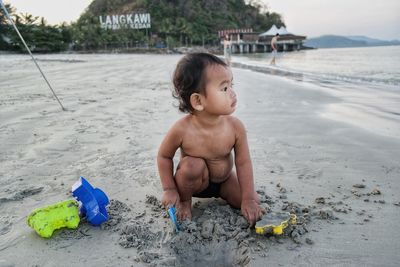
(54, 11)
(373, 18)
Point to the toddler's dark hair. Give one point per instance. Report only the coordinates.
(189, 77)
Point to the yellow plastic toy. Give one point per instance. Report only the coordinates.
(275, 222)
(63, 214)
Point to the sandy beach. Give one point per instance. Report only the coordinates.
(328, 155)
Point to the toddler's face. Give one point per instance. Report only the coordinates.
(220, 98)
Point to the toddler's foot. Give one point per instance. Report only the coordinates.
(184, 210)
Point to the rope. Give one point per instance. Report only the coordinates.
(27, 48)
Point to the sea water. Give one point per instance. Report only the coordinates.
(376, 65)
(365, 80)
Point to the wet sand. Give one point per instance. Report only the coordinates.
(318, 150)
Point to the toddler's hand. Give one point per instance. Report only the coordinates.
(251, 211)
(170, 198)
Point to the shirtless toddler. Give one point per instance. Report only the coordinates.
(206, 138)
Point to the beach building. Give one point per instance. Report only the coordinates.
(247, 41)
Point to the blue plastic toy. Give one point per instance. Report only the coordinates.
(171, 212)
(93, 201)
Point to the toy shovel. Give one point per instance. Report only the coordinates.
(172, 215)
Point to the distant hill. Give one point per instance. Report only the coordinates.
(374, 42)
(335, 41)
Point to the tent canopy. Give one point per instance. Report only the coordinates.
(274, 30)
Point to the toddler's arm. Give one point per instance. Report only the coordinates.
(250, 208)
(166, 152)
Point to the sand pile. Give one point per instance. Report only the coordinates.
(217, 235)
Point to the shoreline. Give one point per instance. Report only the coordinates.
(358, 104)
(117, 114)
(138, 50)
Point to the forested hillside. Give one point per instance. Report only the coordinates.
(173, 22)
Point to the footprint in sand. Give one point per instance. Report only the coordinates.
(307, 173)
(6, 225)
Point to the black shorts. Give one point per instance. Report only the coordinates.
(211, 191)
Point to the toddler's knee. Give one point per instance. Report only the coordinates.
(192, 168)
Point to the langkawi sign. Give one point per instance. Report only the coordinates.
(128, 21)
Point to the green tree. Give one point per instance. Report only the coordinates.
(38, 35)
(5, 28)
